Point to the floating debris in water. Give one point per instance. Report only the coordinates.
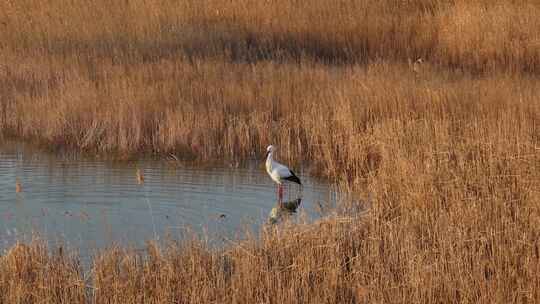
(84, 216)
(140, 177)
(18, 186)
(218, 216)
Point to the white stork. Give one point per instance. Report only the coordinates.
(278, 172)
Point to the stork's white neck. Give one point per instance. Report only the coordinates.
(269, 157)
(269, 161)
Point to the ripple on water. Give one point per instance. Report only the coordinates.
(90, 204)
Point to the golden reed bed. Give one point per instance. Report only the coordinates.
(449, 149)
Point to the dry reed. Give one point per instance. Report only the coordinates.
(30, 274)
(449, 150)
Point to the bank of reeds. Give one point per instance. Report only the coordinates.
(449, 150)
(478, 35)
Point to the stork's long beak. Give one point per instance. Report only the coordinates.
(266, 155)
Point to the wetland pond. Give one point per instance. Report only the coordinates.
(87, 205)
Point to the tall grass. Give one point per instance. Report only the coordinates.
(449, 150)
(29, 274)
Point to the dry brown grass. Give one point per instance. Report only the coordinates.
(30, 274)
(449, 151)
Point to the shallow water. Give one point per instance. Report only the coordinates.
(89, 204)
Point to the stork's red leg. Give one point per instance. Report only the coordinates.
(280, 192)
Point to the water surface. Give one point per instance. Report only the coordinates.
(90, 204)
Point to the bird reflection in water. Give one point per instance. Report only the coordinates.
(283, 210)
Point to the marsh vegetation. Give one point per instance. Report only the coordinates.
(448, 149)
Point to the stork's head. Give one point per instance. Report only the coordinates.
(269, 150)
